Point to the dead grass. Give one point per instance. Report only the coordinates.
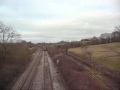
(104, 63)
(102, 56)
(76, 76)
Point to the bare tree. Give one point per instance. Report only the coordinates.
(85, 51)
(66, 46)
(7, 37)
(116, 34)
(94, 40)
(105, 38)
(117, 28)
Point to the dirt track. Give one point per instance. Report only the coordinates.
(41, 74)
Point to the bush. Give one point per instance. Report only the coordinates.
(19, 55)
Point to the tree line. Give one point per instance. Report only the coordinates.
(102, 39)
(107, 37)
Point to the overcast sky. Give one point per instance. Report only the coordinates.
(56, 20)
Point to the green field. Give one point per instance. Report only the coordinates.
(103, 54)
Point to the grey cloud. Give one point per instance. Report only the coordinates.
(55, 20)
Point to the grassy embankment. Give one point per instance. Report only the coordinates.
(103, 72)
(74, 75)
(103, 54)
(16, 59)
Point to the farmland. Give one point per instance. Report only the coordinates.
(102, 54)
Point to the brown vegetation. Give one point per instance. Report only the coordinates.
(75, 75)
(106, 74)
(14, 55)
(15, 64)
(71, 71)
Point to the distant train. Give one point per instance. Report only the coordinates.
(44, 49)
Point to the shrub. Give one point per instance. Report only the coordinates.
(15, 63)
